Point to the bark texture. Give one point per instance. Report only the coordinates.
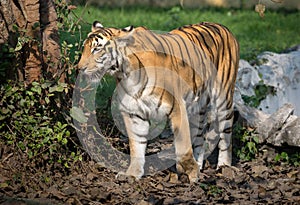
(32, 24)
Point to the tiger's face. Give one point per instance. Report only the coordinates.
(100, 54)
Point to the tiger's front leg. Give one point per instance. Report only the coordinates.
(136, 128)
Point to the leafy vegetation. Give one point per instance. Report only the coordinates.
(32, 122)
(290, 158)
(261, 92)
(247, 144)
(33, 119)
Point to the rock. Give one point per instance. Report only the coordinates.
(280, 71)
(247, 78)
(290, 134)
(276, 119)
(274, 123)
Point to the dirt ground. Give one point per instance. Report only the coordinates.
(256, 182)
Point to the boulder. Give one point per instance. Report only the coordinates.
(276, 119)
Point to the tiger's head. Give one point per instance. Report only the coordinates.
(101, 53)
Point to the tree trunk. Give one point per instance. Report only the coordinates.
(38, 37)
(50, 37)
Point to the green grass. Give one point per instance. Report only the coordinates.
(275, 32)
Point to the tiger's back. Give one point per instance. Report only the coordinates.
(219, 44)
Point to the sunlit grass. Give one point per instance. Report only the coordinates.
(275, 32)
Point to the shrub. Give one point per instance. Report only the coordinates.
(32, 123)
(247, 148)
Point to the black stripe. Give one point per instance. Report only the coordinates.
(211, 33)
(170, 49)
(160, 100)
(174, 39)
(143, 36)
(228, 130)
(159, 41)
(186, 48)
(231, 67)
(197, 34)
(152, 91)
(172, 108)
(222, 104)
(141, 69)
(226, 117)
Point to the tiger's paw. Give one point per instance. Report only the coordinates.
(225, 157)
(133, 172)
(190, 168)
(123, 177)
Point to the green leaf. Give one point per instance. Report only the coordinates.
(60, 88)
(35, 25)
(66, 165)
(77, 114)
(52, 89)
(64, 141)
(46, 85)
(45, 140)
(18, 47)
(29, 93)
(47, 100)
(36, 89)
(3, 185)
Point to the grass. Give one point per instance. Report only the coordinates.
(275, 32)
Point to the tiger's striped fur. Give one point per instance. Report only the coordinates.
(178, 75)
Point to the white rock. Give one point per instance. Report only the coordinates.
(281, 71)
(247, 78)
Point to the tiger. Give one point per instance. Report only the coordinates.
(186, 76)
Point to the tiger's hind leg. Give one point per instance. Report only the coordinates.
(185, 161)
(218, 132)
(198, 142)
(225, 143)
(224, 126)
(197, 122)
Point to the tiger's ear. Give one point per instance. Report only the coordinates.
(96, 26)
(127, 39)
(128, 28)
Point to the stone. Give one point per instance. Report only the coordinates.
(276, 119)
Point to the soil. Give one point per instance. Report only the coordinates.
(260, 181)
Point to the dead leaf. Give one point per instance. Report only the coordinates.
(56, 193)
(228, 172)
(261, 192)
(159, 187)
(71, 190)
(3, 185)
(259, 170)
(91, 176)
(260, 9)
(292, 174)
(143, 203)
(173, 178)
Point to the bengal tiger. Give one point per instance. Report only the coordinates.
(178, 76)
